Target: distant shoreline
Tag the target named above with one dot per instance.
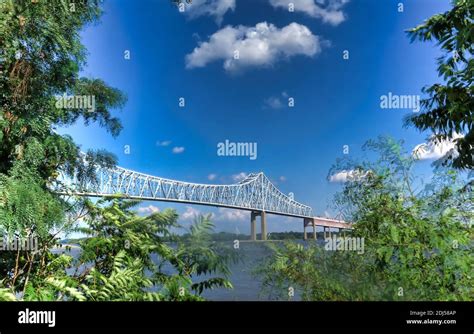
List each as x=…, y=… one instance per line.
x=63, y=246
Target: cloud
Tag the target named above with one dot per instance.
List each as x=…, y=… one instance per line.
x=212, y=177
x=433, y=150
x=178, y=150
x=163, y=143
x=282, y=178
x=348, y=175
x=190, y=214
x=339, y=177
x=239, y=177
x=148, y=209
x=259, y=46
x=329, y=11
x=275, y=102
x=231, y=215
x=214, y=8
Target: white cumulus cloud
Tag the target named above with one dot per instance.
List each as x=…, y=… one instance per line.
x=348, y=175
x=178, y=149
x=239, y=177
x=433, y=150
x=214, y=8
x=190, y=214
x=231, y=215
x=212, y=177
x=148, y=209
x=329, y=11
x=259, y=46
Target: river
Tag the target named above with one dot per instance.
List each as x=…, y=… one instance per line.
x=246, y=284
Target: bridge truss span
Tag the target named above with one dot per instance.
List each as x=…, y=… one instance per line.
x=255, y=193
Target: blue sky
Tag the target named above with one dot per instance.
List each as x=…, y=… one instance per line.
x=283, y=55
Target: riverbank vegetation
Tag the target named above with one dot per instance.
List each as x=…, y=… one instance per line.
x=418, y=238
x=418, y=235
x=41, y=58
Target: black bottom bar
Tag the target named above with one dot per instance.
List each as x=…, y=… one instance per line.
x=412, y=316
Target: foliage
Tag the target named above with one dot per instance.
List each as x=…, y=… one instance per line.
x=316, y=274
x=125, y=258
x=449, y=107
x=123, y=244
x=203, y=256
x=41, y=56
x=418, y=244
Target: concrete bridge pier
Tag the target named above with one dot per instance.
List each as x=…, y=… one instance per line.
x=309, y=221
x=263, y=220
x=328, y=235
x=305, y=236
x=253, y=222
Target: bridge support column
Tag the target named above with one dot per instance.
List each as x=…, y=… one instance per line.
x=307, y=222
x=327, y=232
x=253, y=223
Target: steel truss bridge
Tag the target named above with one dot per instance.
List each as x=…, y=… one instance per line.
x=255, y=193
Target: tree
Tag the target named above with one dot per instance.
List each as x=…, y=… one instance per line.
x=125, y=258
x=418, y=243
x=41, y=56
x=449, y=107
x=201, y=255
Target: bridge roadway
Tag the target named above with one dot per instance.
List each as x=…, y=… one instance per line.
x=255, y=193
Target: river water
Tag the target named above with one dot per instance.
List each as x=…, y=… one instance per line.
x=246, y=284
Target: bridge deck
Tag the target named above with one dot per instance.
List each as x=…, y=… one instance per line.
x=255, y=193
x=327, y=222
